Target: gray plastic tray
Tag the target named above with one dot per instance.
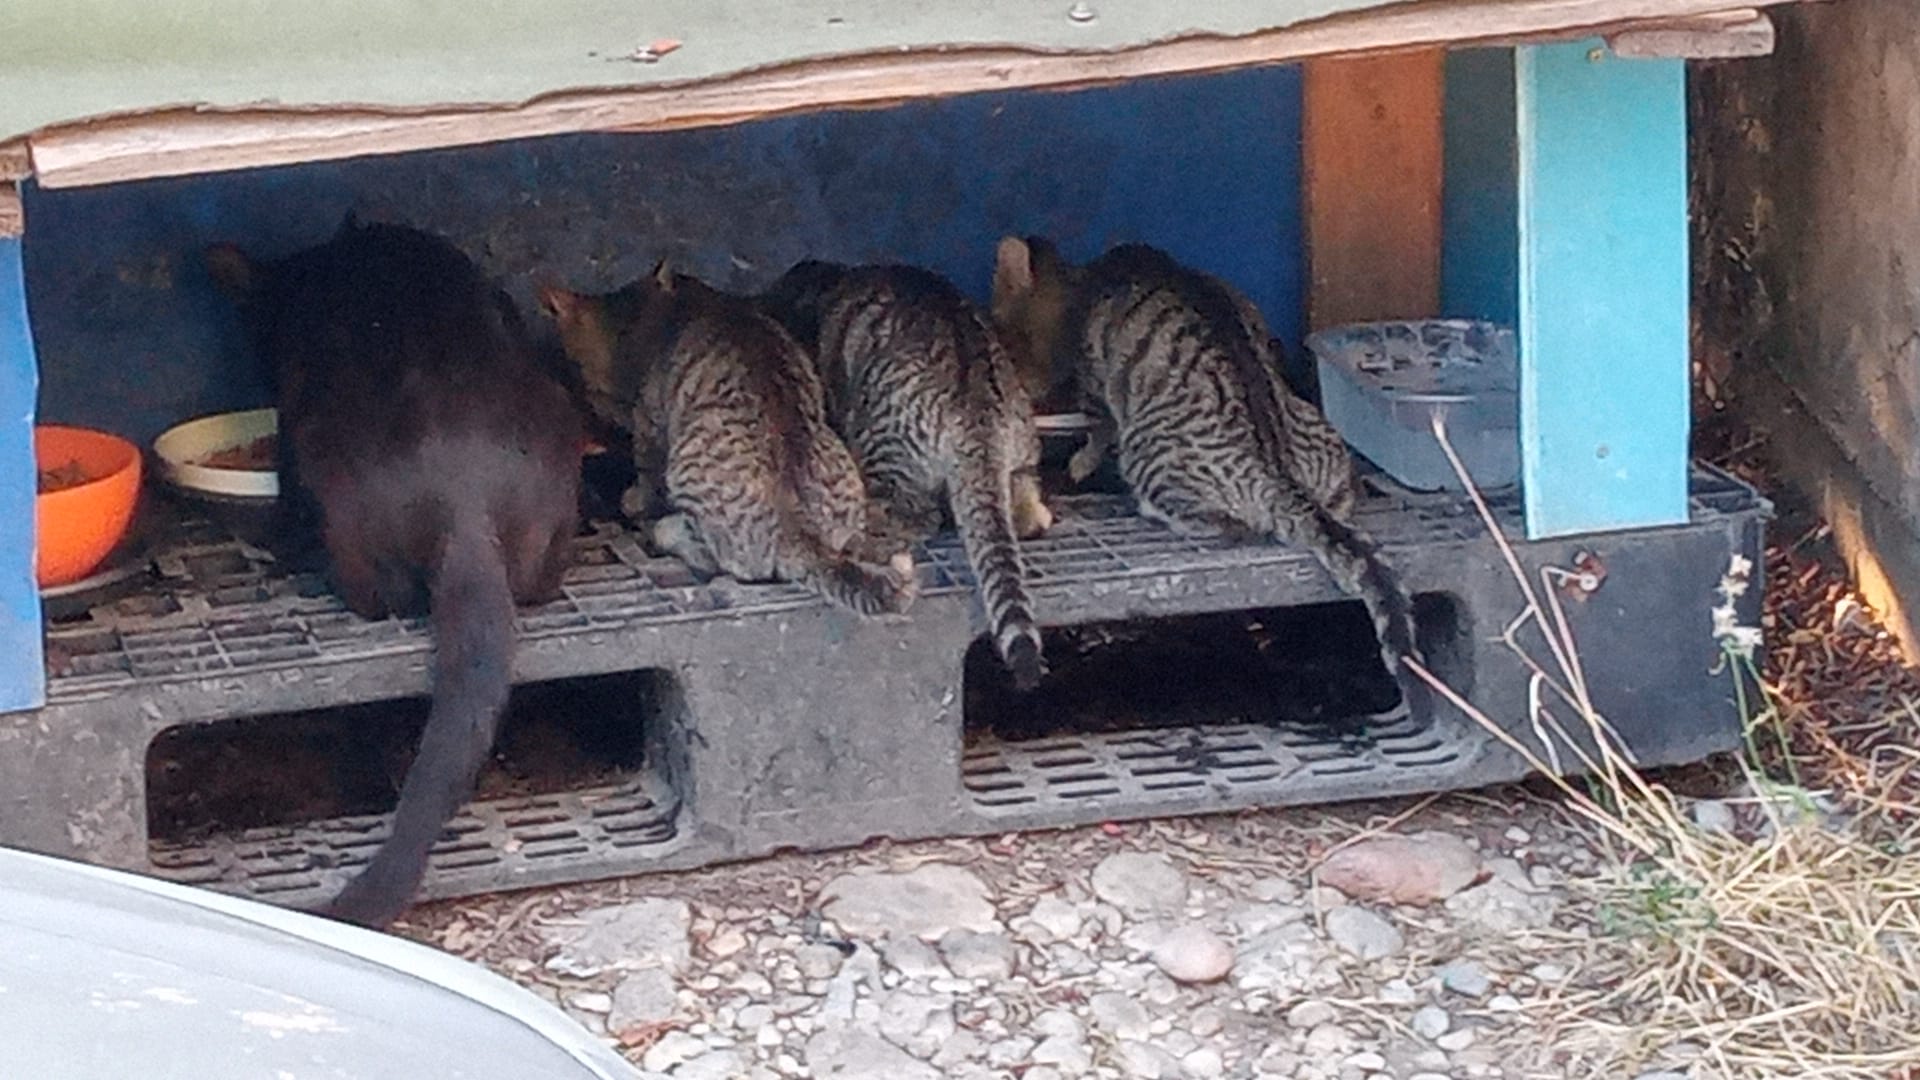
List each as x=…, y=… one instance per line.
x=1381, y=383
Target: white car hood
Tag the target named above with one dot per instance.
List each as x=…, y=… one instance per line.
x=109, y=974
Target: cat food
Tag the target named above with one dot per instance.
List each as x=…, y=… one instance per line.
x=62, y=477
x=256, y=456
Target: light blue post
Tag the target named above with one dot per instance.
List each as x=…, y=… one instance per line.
x=1566, y=217
x=1603, y=289
x=23, y=682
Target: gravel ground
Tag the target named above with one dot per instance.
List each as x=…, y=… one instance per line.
x=1199, y=948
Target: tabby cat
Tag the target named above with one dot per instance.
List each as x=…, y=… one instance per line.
x=922, y=387
x=738, y=469
x=1177, y=369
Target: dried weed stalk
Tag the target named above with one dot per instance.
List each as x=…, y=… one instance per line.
x=1793, y=954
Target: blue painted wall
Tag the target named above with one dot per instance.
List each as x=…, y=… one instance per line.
x=1480, y=211
x=21, y=685
x=132, y=336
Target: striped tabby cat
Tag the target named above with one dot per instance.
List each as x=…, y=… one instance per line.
x=922, y=387
x=1176, y=366
x=729, y=432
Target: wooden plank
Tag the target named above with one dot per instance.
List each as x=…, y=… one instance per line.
x=1604, y=412
x=183, y=141
x=15, y=161
x=13, y=218
x=1371, y=145
x=1729, y=35
x=23, y=680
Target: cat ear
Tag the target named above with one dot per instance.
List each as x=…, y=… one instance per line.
x=560, y=305
x=232, y=271
x=662, y=276
x=1012, y=267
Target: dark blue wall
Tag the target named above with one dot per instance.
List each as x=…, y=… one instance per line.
x=133, y=338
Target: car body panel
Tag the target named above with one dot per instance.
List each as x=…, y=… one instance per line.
x=104, y=973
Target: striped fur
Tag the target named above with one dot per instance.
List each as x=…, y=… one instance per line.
x=739, y=470
x=923, y=389
x=1177, y=368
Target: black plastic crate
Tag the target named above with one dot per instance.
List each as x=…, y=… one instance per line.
x=782, y=723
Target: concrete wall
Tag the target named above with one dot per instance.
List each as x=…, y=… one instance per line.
x=132, y=337
x=1807, y=172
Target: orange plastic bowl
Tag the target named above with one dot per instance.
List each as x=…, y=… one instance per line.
x=79, y=525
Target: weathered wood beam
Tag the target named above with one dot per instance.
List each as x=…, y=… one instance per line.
x=184, y=141
x=1730, y=35
x=13, y=220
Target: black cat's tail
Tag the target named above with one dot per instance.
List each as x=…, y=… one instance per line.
x=981, y=499
x=1353, y=560
x=473, y=629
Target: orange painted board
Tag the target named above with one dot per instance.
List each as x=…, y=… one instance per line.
x=1372, y=129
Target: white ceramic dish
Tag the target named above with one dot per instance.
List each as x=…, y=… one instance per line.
x=1062, y=423
x=182, y=448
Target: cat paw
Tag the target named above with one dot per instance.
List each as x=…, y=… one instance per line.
x=670, y=533
x=1031, y=519
x=901, y=563
x=905, y=579
x=634, y=504
x=678, y=536
x=1085, y=462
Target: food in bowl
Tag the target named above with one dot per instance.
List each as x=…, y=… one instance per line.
x=89, y=483
x=258, y=455
x=224, y=456
x=223, y=466
x=62, y=477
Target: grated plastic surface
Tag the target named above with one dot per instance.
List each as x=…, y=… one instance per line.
x=218, y=607
x=514, y=837
x=1231, y=761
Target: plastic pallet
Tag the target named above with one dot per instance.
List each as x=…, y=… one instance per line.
x=792, y=725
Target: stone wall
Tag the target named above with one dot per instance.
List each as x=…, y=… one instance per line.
x=1807, y=267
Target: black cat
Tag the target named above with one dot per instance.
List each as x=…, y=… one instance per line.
x=442, y=460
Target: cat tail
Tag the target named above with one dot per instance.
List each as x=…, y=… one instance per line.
x=981, y=501
x=1353, y=560
x=842, y=577
x=473, y=630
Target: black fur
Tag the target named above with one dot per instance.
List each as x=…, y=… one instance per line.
x=444, y=463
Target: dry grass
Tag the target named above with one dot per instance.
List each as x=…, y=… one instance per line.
x=1792, y=950
x=1794, y=956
